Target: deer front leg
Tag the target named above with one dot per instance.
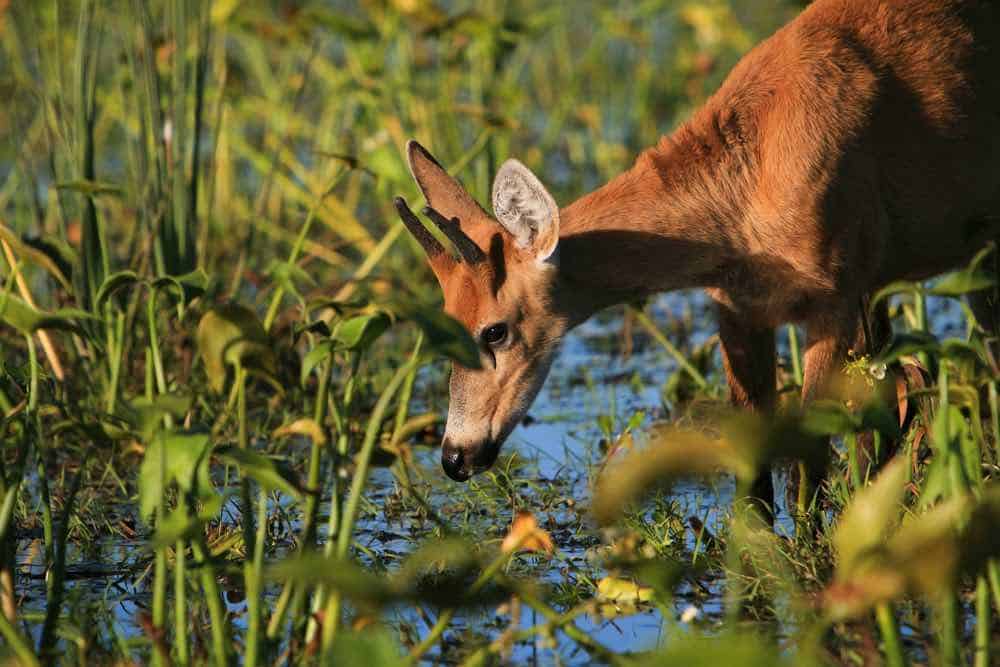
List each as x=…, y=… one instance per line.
x=829, y=337
x=748, y=359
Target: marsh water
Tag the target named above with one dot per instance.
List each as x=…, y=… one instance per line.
x=547, y=467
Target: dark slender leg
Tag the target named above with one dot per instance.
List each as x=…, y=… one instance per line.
x=748, y=358
x=829, y=337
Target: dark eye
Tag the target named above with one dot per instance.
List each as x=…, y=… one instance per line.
x=495, y=334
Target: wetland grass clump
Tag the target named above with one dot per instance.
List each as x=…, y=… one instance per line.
x=216, y=375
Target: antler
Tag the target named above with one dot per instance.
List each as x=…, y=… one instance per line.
x=441, y=262
x=467, y=248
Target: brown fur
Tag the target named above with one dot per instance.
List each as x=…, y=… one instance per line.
x=858, y=145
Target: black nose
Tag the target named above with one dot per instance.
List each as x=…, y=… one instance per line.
x=453, y=462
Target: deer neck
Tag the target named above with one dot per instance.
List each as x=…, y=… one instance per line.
x=670, y=222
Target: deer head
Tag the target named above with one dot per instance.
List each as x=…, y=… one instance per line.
x=499, y=284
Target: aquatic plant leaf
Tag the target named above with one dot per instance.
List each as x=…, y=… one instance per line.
x=759, y=441
x=969, y=279
x=908, y=343
x=25, y=251
x=114, y=283
x=443, y=334
x=947, y=474
x=893, y=288
x=288, y=276
x=963, y=350
x=261, y=469
x=926, y=555
x=615, y=589
x=386, y=163
x=367, y=647
x=231, y=334
x=178, y=524
x=313, y=358
x=526, y=535
x=825, y=417
x=342, y=576
x=875, y=415
x=359, y=332
x=960, y=283
x=865, y=522
x=926, y=549
x=26, y=319
x=979, y=543
x=745, y=650
x=439, y=555
x=146, y=415
x=173, y=457
x=671, y=453
x=186, y=287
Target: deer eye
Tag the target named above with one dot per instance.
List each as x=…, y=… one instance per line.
x=495, y=334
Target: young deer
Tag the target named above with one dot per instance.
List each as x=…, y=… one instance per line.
x=858, y=145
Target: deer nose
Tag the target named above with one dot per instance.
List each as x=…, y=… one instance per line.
x=453, y=462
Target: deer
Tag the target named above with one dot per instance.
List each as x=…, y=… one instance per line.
x=858, y=145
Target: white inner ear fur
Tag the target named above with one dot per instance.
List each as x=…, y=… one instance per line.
x=526, y=209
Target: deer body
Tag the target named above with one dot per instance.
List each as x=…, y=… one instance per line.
x=858, y=145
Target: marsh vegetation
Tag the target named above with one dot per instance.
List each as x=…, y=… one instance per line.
x=223, y=366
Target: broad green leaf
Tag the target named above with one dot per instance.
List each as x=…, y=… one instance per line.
x=313, y=358
x=359, y=332
x=231, y=334
x=261, y=469
x=867, y=519
x=26, y=319
x=147, y=414
x=173, y=457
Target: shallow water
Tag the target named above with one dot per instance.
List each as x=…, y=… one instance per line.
x=591, y=382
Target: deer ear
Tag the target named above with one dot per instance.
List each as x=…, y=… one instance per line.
x=442, y=191
x=526, y=209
